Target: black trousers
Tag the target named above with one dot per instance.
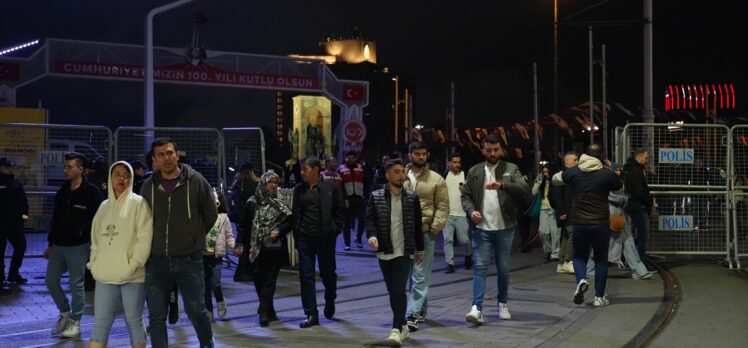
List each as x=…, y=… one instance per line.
x=395, y=273
x=265, y=277
x=12, y=233
x=323, y=250
x=354, y=214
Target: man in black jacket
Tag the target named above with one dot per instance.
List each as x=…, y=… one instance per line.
x=184, y=211
x=640, y=201
x=14, y=210
x=590, y=184
x=318, y=216
x=561, y=201
x=392, y=230
x=76, y=203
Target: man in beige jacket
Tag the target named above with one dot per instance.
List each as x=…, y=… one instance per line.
x=434, y=197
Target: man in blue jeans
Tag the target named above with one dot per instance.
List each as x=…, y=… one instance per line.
x=494, y=190
x=69, y=240
x=434, y=198
x=590, y=183
x=184, y=210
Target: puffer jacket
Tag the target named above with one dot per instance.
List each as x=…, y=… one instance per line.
x=434, y=197
x=591, y=184
x=378, y=220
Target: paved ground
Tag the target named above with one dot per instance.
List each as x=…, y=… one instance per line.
x=543, y=314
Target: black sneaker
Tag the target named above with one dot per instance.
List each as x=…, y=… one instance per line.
x=412, y=323
x=4, y=289
x=358, y=244
x=450, y=269
x=16, y=278
x=347, y=247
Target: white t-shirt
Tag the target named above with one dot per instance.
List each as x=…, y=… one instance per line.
x=397, y=232
x=492, y=218
x=453, y=187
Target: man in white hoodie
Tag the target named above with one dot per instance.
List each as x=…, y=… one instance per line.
x=121, y=236
x=590, y=184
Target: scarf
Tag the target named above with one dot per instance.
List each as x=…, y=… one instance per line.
x=270, y=211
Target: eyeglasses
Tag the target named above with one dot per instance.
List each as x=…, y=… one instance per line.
x=121, y=176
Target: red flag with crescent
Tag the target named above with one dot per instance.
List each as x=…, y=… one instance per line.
x=353, y=92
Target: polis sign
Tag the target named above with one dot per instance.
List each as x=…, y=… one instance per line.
x=676, y=223
x=676, y=156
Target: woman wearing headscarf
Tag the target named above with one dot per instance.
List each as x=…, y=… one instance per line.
x=121, y=236
x=267, y=219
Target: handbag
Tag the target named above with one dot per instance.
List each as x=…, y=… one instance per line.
x=270, y=244
x=534, y=209
x=617, y=223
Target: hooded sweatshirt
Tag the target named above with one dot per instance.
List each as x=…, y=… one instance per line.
x=121, y=235
x=591, y=184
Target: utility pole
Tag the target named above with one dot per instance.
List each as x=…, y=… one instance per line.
x=605, y=108
x=535, y=114
x=592, y=110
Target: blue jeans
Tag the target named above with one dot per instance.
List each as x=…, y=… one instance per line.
x=596, y=237
x=72, y=259
x=483, y=241
x=106, y=300
x=456, y=225
x=311, y=248
x=640, y=231
x=212, y=271
x=420, y=278
x=187, y=272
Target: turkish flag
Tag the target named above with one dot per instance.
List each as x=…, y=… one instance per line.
x=9, y=72
x=353, y=92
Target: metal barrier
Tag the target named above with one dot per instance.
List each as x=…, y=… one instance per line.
x=201, y=148
x=739, y=175
x=243, y=145
x=687, y=176
x=39, y=153
x=293, y=255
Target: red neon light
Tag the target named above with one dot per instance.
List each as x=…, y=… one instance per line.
x=721, y=97
x=696, y=93
x=727, y=97
x=701, y=89
x=732, y=90
x=690, y=97
x=672, y=98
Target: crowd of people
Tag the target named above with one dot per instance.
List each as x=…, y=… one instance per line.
x=144, y=235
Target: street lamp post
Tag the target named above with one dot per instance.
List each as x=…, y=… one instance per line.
x=148, y=115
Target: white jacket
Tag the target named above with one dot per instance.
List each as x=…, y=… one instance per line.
x=121, y=236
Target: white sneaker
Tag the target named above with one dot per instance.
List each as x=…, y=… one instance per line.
x=601, y=301
x=475, y=316
x=560, y=268
x=394, y=338
x=404, y=333
x=222, y=309
x=504, y=311
x=62, y=323
x=73, y=330
x=579, y=293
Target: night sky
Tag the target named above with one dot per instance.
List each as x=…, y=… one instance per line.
x=486, y=47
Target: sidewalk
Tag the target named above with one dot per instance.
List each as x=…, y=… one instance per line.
x=540, y=302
